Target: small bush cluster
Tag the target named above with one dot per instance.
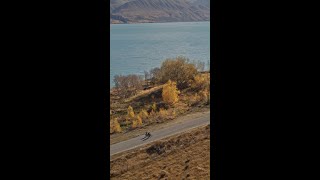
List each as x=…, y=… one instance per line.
x=143, y=114
x=130, y=112
x=178, y=69
x=200, y=82
x=163, y=113
x=170, y=93
x=128, y=85
x=115, y=126
x=205, y=96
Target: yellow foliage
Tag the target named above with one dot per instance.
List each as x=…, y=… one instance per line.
x=154, y=107
x=116, y=126
x=139, y=120
x=130, y=112
x=194, y=99
x=143, y=114
x=204, y=95
x=111, y=128
x=134, y=124
x=127, y=121
x=173, y=113
x=163, y=113
x=170, y=93
x=201, y=81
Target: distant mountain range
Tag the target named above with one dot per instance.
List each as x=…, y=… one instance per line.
x=148, y=11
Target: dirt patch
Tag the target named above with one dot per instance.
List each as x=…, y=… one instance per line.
x=183, y=156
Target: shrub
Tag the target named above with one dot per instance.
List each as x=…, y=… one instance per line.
x=163, y=113
x=111, y=128
x=173, y=113
x=127, y=122
x=139, y=120
x=204, y=95
x=194, y=99
x=152, y=113
x=128, y=85
x=200, y=82
x=154, y=107
x=178, y=70
x=134, y=124
x=170, y=93
x=116, y=126
x=130, y=112
x=155, y=75
x=143, y=114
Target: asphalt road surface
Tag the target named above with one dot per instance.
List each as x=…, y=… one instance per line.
x=160, y=134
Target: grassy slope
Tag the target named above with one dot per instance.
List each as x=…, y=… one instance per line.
x=144, y=100
x=181, y=156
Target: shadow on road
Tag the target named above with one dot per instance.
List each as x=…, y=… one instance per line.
x=145, y=138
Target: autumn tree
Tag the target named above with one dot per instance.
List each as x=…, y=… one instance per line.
x=201, y=82
x=154, y=107
x=143, y=114
x=170, y=93
x=134, y=124
x=130, y=115
x=155, y=75
x=178, y=70
x=128, y=85
x=205, y=96
x=139, y=120
x=130, y=112
x=163, y=113
x=116, y=126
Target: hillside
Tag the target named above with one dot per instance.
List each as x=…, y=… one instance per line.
x=141, y=11
x=136, y=103
x=183, y=156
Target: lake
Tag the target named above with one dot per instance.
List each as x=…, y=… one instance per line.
x=138, y=47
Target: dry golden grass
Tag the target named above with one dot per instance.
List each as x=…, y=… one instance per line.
x=183, y=156
x=143, y=93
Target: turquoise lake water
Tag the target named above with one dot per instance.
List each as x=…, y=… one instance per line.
x=138, y=47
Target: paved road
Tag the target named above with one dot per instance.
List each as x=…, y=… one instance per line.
x=160, y=134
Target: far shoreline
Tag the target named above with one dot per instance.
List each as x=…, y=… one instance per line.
x=159, y=22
